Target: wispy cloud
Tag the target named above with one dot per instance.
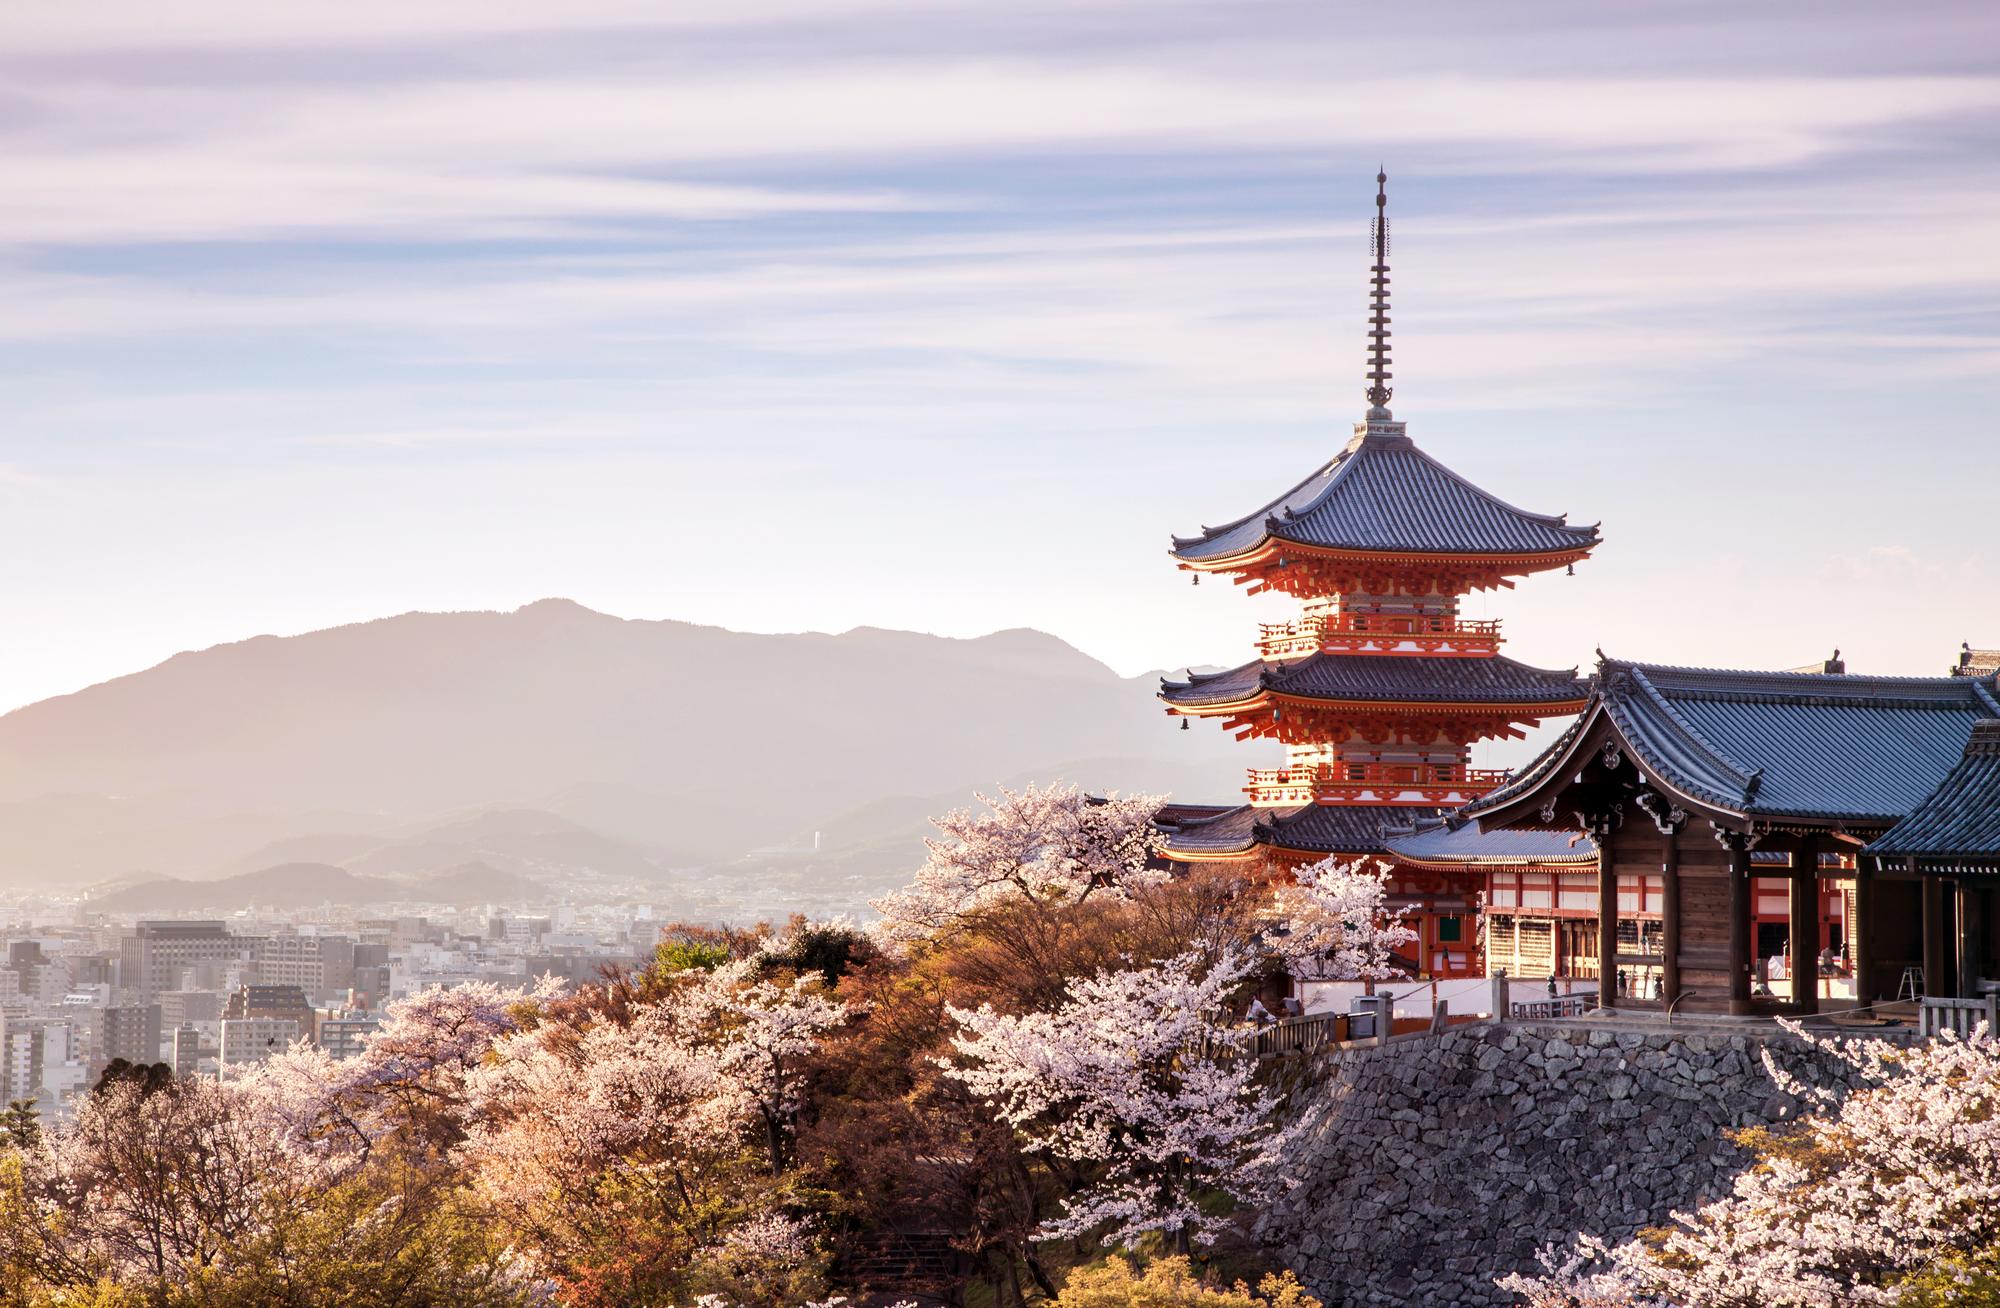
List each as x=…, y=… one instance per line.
x=888, y=272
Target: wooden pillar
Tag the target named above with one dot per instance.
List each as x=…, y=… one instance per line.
x=1670, y=917
x=1860, y=947
x=1739, y=922
x=1607, y=919
x=1804, y=904
x=1938, y=979
x=1979, y=933
x=1966, y=925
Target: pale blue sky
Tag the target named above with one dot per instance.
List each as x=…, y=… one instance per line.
x=816, y=313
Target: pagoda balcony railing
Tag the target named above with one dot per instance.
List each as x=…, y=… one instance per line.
x=1371, y=783
x=1381, y=633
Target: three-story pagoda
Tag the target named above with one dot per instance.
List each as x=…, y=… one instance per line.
x=1380, y=687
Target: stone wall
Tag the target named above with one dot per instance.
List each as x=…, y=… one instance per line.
x=1447, y=1160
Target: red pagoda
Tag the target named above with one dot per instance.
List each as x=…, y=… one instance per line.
x=1380, y=687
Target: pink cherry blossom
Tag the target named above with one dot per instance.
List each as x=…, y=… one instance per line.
x=1902, y=1178
x=1054, y=844
x=1137, y=1074
x=1336, y=922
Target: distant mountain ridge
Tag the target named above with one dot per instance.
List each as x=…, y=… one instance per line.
x=642, y=745
x=310, y=885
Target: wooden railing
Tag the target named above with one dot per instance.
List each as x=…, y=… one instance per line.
x=1962, y=1017
x=1334, y=783
x=1428, y=632
x=1562, y=1006
x=1301, y=1035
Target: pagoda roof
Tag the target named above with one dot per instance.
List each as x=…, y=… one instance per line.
x=1362, y=678
x=1436, y=841
x=1383, y=495
x=1768, y=745
x=1959, y=823
x=1307, y=828
x=1976, y=662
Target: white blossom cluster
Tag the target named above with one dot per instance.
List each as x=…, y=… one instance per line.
x=1337, y=925
x=1053, y=844
x=1133, y=1073
x=1902, y=1179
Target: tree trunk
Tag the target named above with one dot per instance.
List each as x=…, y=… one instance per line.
x=1014, y=1295
x=1035, y=1269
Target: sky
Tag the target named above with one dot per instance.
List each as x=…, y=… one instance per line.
x=808, y=314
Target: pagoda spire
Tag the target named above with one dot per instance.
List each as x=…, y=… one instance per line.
x=1378, y=298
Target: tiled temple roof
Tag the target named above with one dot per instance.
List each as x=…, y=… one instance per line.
x=1959, y=823
x=1439, y=842
x=1382, y=494
x=1349, y=678
x=1774, y=744
x=1308, y=828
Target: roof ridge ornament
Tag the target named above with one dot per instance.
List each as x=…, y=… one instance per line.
x=1378, y=308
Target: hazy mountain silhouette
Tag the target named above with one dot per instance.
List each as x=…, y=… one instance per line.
x=309, y=885
x=626, y=746
x=287, y=885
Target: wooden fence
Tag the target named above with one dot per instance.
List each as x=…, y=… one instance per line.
x=1959, y=1016
x=1301, y=1035
x=1575, y=1005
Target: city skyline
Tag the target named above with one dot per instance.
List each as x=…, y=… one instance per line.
x=817, y=316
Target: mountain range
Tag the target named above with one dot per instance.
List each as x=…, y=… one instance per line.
x=562, y=745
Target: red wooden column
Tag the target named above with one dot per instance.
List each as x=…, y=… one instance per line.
x=1860, y=947
x=1804, y=888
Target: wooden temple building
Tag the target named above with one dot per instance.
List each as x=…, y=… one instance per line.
x=1950, y=846
x=1381, y=686
x=1712, y=799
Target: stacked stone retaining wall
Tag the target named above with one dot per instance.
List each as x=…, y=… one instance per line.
x=1445, y=1161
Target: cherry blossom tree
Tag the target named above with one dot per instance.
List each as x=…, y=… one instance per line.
x=152, y=1183
x=1055, y=844
x=619, y=1146
x=410, y=1074
x=761, y=1030
x=1134, y=1076
x=1893, y=1197
x=1337, y=925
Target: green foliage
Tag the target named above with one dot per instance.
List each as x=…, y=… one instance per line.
x=1172, y=1283
x=828, y=948
x=689, y=956
x=1955, y=1282
x=21, y=1124
x=390, y=1238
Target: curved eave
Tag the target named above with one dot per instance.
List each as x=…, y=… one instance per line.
x=1315, y=855
x=1265, y=699
x=1546, y=779
x=1483, y=864
x=1520, y=803
x=1273, y=546
x=1242, y=855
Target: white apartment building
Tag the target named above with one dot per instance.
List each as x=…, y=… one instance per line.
x=247, y=1040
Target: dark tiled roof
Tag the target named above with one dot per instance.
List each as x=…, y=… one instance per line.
x=1338, y=828
x=1308, y=828
x=1172, y=815
x=1960, y=821
x=1362, y=677
x=1383, y=494
x=1225, y=832
x=1777, y=744
x=1438, y=842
